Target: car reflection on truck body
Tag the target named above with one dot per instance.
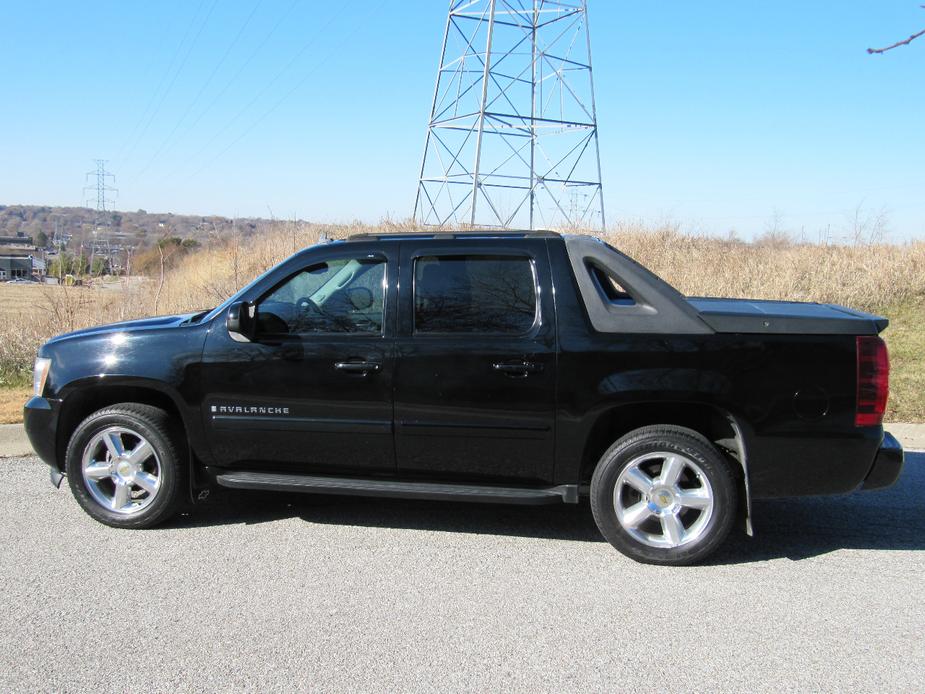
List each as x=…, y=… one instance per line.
x=508, y=367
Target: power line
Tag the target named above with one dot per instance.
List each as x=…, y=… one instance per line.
x=291, y=91
x=176, y=74
x=140, y=85
x=266, y=88
x=154, y=94
x=202, y=89
x=244, y=65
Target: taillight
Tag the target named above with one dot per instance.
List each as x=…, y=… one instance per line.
x=873, y=381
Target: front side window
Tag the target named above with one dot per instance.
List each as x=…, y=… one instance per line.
x=474, y=294
x=345, y=295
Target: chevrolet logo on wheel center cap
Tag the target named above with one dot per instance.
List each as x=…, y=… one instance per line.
x=663, y=498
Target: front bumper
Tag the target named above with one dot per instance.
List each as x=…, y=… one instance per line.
x=887, y=465
x=40, y=418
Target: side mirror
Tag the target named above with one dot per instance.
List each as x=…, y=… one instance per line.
x=240, y=321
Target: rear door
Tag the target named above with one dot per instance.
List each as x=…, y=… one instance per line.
x=476, y=361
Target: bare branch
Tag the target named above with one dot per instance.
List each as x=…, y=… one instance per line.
x=905, y=42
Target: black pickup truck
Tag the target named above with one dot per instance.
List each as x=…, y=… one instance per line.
x=522, y=368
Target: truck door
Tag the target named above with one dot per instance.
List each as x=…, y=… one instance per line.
x=476, y=369
x=313, y=391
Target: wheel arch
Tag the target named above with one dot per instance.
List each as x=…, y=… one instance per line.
x=721, y=427
x=85, y=399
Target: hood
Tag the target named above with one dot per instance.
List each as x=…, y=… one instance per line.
x=126, y=326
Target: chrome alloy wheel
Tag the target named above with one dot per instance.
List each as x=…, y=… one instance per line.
x=121, y=470
x=663, y=500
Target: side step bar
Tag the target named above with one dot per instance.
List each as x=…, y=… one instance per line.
x=563, y=493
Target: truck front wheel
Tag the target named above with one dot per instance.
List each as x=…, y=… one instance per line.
x=124, y=466
x=664, y=495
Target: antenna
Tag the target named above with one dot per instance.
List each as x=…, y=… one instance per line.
x=512, y=139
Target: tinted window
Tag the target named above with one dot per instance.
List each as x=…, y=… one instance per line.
x=338, y=296
x=474, y=294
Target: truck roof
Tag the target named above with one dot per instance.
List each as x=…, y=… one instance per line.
x=472, y=234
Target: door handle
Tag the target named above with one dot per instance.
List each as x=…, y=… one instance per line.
x=357, y=367
x=520, y=369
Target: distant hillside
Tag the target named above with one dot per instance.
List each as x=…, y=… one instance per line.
x=126, y=230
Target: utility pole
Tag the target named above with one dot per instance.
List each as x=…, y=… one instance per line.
x=512, y=139
x=101, y=189
x=56, y=243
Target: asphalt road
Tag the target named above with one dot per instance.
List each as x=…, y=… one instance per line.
x=279, y=593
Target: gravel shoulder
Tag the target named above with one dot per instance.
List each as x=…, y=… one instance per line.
x=286, y=593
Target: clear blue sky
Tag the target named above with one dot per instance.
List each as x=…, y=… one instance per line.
x=718, y=115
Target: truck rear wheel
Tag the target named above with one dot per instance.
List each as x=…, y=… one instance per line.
x=124, y=466
x=664, y=495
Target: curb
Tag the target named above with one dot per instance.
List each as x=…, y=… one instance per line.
x=13, y=441
x=911, y=436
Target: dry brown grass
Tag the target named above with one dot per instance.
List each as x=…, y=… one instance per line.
x=11, y=402
x=868, y=277
x=889, y=279
x=905, y=339
x=32, y=314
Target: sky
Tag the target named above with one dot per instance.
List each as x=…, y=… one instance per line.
x=718, y=116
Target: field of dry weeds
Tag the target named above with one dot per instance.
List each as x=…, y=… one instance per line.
x=887, y=279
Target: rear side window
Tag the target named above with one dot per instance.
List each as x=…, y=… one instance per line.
x=610, y=287
x=474, y=294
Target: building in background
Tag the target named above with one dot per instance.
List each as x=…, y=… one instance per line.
x=19, y=259
x=13, y=267
x=19, y=240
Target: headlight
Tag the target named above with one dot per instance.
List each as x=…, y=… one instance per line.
x=39, y=374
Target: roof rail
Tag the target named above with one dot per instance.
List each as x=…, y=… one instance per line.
x=474, y=233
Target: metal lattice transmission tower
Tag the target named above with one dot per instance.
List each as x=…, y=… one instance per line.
x=512, y=139
x=101, y=189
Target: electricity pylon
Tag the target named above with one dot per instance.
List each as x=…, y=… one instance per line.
x=101, y=189
x=512, y=139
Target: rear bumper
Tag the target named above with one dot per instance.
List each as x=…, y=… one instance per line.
x=887, y=464
x=40, y=418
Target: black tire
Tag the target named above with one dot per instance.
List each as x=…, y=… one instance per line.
x=645, y=444
x=155, y=426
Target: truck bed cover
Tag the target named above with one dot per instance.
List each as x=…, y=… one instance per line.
x=762, y=316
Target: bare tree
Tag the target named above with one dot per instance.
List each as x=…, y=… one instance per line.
x=904, y=42
x=166, y=247
x=867, y=227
